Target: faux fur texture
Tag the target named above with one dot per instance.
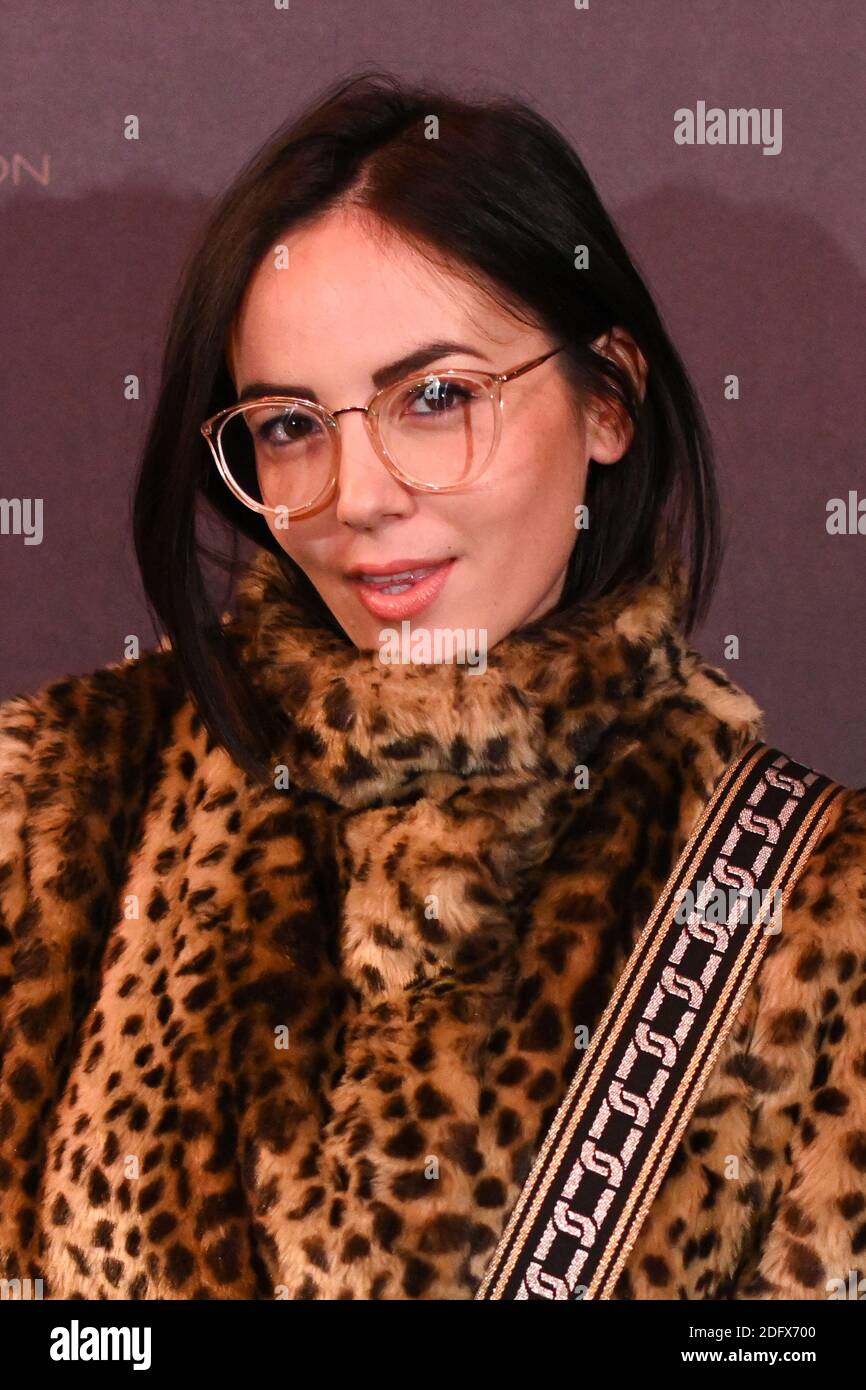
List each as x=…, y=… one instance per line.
x=303, y=1040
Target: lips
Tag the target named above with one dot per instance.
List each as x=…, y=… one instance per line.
x=402, y=588
x=396, y=566
x=397, y=582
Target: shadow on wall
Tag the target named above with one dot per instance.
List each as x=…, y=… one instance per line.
x=754, y=290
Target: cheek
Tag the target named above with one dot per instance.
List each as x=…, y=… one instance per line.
x=305, y=542
x=538, y=480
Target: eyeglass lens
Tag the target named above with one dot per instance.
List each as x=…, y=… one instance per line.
x=438, y=430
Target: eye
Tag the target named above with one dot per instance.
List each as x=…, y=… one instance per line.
x=283, y=427
x=436, y=396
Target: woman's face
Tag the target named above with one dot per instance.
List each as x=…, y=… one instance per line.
x=350, y=304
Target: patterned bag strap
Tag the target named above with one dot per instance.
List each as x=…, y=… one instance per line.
x=615, y=1132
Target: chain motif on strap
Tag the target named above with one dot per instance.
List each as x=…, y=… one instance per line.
x=612, y=1139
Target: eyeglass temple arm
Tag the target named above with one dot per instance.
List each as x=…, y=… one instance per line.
x=527, y=366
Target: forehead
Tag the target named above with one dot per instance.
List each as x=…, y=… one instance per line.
x=345, y=287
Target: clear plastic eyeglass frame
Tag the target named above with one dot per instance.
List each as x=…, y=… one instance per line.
x=212, y=429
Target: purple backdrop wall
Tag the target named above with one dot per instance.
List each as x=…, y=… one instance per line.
x=755, y=260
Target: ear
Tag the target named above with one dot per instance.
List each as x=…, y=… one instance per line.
x=608, y=431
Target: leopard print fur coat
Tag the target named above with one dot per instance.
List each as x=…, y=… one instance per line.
x=303, y=1039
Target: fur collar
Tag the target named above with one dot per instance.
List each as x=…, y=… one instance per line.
x=470, y=777
x=365, y=732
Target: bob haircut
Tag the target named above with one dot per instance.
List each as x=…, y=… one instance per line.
x=499, y=198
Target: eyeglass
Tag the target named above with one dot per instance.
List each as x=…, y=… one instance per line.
x=435, y=433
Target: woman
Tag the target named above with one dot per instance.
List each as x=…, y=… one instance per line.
x=307, y=915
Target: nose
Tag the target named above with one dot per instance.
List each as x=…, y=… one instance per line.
x=366, y=490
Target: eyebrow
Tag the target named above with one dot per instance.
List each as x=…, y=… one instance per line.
x=383, y=376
